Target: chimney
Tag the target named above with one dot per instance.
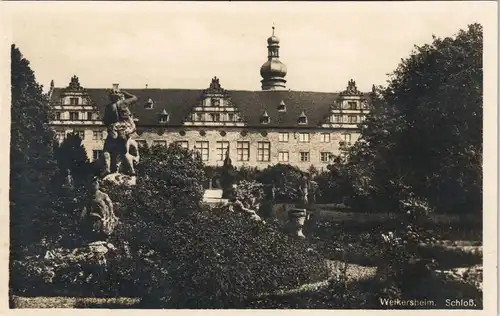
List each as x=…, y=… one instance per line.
x=115, y=86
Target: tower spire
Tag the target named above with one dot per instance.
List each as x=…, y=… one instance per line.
x=273, y=71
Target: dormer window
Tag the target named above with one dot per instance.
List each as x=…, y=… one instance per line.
x=282, y=106
x=164, y=117
x=149, y=105
x=264, y=119
x=302, y=118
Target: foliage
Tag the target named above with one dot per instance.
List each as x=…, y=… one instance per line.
x=202, y=258
x=248, y=190
x=71, y=155
x=32, y=162
x=286, y=179
x=196, y=262
x=424, y=132
x=168, y=178
x=247, y=173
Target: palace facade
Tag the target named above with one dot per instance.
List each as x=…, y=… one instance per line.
x=257, y=128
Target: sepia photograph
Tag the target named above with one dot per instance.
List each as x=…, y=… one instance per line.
x=253, y=155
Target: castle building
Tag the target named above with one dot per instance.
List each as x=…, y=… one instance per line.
x=256, y=128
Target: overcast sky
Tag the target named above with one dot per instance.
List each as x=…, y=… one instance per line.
x=183, y=45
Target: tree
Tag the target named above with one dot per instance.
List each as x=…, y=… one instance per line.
x=286, y=180
x=32, y=162
x=71, y=155
x=424, y=134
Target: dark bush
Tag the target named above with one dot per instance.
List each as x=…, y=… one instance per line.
x=195, y=257
x=212, y=259
x=286, y=180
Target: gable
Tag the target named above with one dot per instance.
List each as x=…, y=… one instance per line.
x=214, y=108
x=191, y=107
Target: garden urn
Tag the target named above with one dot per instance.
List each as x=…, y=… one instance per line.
x=297, y=217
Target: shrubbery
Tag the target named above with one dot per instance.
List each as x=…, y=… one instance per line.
x=198, y=263
x=285, y=178
x=202, y=258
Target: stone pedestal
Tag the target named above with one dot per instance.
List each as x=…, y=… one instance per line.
x=297, y=218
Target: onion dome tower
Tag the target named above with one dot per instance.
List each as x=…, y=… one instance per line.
x=273, y=71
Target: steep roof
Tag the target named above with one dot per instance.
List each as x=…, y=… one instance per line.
x=178, y=103
x=253, y=104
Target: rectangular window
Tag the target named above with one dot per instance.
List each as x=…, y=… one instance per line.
x=243, y=150
x=74, y=116
x=283, y=156
x=347, y=138
x=164, y=118
x=89, y=116
x=80, y=133
x=337, y=118
x=58, y=116
x=96, y=154
x=353, y=119
x=183, y=143
x=230, y=117
x=352, y=105
x=159, y=143
x=263, y=151
x=325, y=157
x=303, y=137
x=304, y=156
x=283, y=137
x=73, y=101
x=215, y=102
x=222, y=148
x=202, y=149
x=97, y=135
x=325, y=137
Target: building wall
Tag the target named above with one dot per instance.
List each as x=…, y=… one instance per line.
x=293, y=146
x=316, y=145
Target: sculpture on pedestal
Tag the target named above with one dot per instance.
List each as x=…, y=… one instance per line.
x=297, y=216
x=120, y=151
x=99, y=212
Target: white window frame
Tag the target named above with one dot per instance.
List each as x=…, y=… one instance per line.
x=283, y=137
x=263, y=151
x=328, y=157
x=222, y=148
x=304, y=137
x=72, y=115
x=243, y=150
x=304, y=156
x=183, y=143
x=203, y=148
x=325, y=137
x=283, y=156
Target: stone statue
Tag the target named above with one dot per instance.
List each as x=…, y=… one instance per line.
x=68, y=179
x=244, y=205
x=131, y=158
x=99, y=211
x=120, y=126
